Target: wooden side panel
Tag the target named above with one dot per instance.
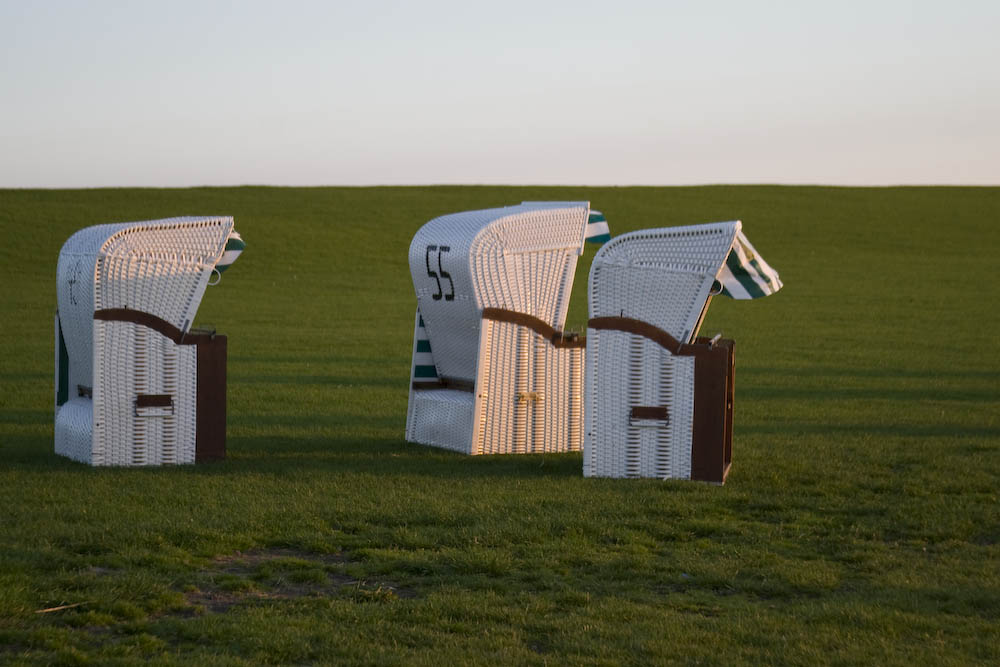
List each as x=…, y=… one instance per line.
x=712, y=437
x=210, y=439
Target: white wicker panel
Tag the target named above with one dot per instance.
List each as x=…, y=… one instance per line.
x=625, y=370
x=75, y=301
x=114, y=392
x=606, y=410
x=186, y=404
x=542, y=435
x=161, y=267
x=537, y=283
x=529, y=393
x=676, y=390
x=130, y=360
x=561, y=388
x=660, y=276
x=576, y=399
x=443, y=418
x=147, y=368
x=74, y=430
x=452, y=324
x=502, y=375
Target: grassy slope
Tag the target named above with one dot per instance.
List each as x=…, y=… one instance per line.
x=860, y=522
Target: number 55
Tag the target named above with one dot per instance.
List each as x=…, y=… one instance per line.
x=443, y=274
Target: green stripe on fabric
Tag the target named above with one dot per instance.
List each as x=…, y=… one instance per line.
x=764, y=275
x=741, y=274
x=423, y=346
x=598, y=230
x=235, y=244
x=421, y=321
x=422, y=371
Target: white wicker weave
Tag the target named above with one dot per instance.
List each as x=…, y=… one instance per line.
x=158, y=268
x=661, y=277
x=529, y=396
x=498, y=387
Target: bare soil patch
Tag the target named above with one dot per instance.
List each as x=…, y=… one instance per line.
x=284, y=574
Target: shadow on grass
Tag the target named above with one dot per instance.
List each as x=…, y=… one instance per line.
x=926, y=392
x=933, y=375
x=285, y=455
x=390, y=457
x=359, y=380
x=888, y=430
x=298, y=359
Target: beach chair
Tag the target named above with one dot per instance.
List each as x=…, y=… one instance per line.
x=492, y=372
x=658, y=399
x=134, y=384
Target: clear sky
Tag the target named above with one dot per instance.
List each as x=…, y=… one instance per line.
x=855, y=92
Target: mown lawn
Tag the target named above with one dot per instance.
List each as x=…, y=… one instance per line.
x=859, y=525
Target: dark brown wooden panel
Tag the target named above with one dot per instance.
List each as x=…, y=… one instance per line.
x=210, y=439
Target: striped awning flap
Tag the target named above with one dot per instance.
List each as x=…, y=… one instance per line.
x=746, y=275
x=234, y=246
x=597, y=228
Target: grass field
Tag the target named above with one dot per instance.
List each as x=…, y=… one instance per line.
x=860, y=523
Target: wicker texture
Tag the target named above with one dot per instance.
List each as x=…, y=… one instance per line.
x=660, y=276
x=442, y=418
x=158, y=267
x=625, y=370
x=663, y=277
x=519, y=258
x=530, y=393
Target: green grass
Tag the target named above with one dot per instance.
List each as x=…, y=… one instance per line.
x=859, y=525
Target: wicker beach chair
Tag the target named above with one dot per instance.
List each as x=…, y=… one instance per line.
x=659, y=400
x=492, y=373
x=134, y=384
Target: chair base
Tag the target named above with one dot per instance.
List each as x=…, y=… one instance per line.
x=674, y=417
x=75, y=436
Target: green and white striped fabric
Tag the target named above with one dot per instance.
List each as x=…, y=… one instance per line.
x=234, y=246
x=597, y=228
x=746, y=275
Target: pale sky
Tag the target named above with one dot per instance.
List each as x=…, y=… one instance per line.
x=179, y=93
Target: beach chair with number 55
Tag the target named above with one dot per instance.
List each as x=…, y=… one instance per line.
x=492, y=371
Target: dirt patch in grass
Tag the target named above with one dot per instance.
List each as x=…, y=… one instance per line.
x=283, y=574
x=242, y=560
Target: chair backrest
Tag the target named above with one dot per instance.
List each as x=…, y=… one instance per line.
x=159, y=267
x=520, y=258
x=660, y=276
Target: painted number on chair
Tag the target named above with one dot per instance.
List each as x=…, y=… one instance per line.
x=440, y=273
